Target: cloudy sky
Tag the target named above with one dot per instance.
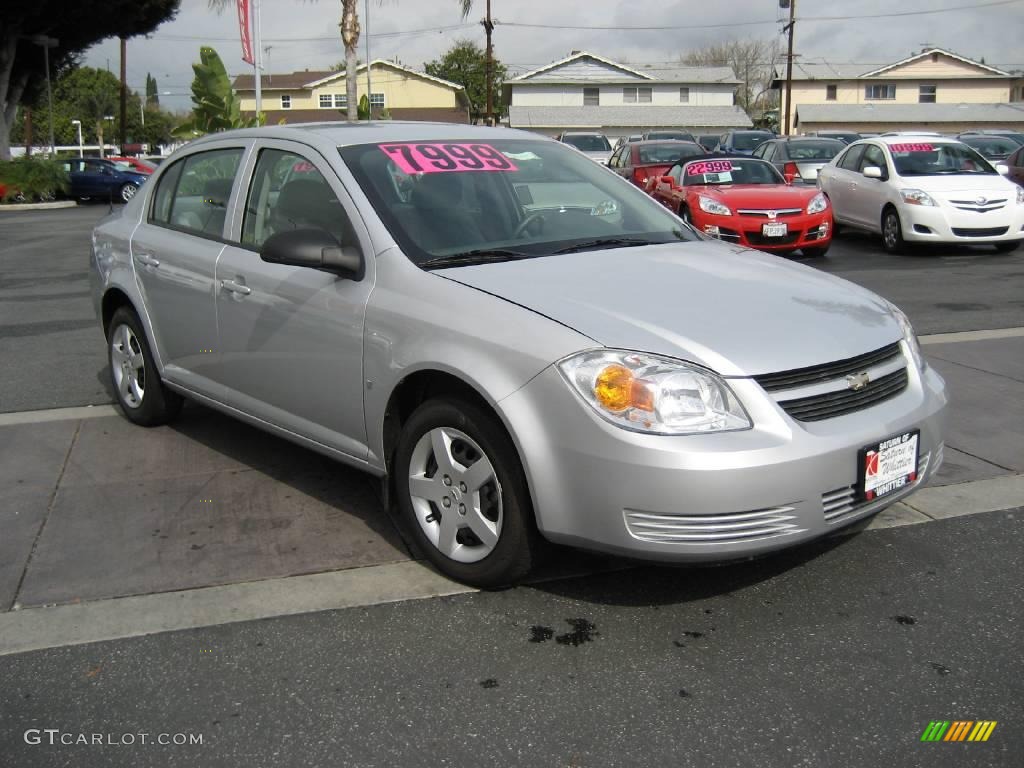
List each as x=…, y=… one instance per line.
x=304, y=35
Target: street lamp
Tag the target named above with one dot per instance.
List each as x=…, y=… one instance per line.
x=78, y=125
x=47, y=43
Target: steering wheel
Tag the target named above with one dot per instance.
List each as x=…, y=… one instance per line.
x=525, y=223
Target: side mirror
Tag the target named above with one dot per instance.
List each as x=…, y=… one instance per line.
x=872, y=172
x=315, y=249
x=1002, y=169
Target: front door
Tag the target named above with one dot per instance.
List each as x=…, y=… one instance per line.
x=291, y=338
x=866, y=205
x=175, y=251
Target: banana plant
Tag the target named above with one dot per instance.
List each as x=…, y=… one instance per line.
x=215, y=106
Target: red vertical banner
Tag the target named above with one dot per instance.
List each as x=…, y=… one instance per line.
x=243, y=30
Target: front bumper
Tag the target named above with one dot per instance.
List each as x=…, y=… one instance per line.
x=804, y=230
x=721, y=496
x=946, y=224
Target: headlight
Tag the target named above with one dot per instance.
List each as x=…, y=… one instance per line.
x=910, y=337
x=647, y=393
x=713, y=206
x=916, y=197
x=1020, y=195
x=818, y=203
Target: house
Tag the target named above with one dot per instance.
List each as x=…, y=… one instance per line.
x=586, y=91
x=934, y=90
x=313, y=96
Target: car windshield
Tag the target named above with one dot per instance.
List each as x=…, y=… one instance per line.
x=992, y=146
x=924, y=158
x=847, y=138
x=503, y=199
x=748, y=139
x=823, y=149
x=701, y=172
x=661, y=135
x=588, y=142
x=668, y=153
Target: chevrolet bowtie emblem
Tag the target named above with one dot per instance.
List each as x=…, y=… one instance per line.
x=857, y=381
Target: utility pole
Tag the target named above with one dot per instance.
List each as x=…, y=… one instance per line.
x=366, y=34
x=257, y=61
x=789, y=65
x=122, y=135
x=489, y=65
x=47, y=43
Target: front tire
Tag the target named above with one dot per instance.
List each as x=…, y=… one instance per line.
x=140, y=391
x=892, y=232
x=1007, y=247
x=127, y=192
x=462, y=493
x=816, y=253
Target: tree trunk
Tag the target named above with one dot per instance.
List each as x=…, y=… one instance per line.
x=8, y=100
x=350, y=37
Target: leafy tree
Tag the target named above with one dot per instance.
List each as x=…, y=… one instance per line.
x=215, y=106
x=76, y=26
x=751, y=61
x=465, y=63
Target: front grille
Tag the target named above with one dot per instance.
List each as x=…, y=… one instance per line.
x=764, y=212
x=756, y=238
x=980, y=231
x=733, y=528
x=801, y=377
x=976, y=207
x=839, y=403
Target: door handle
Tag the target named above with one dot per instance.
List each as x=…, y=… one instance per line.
x=233, y=287
x=146, y=259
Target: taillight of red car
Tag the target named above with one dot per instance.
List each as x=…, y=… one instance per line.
x=645, y=173
x=791, y=172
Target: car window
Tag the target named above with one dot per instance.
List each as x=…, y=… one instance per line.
x=766, y=152
x=662, y=135
x=587, y=142
x=534, y=197
x=851, y=158
x=705, y=172
x=199, y=202
x=924, y=158
x=874, y=156
x=748, y=139
x=825, y=149
x=662, y=154
x=164, y=195
x=288, y=192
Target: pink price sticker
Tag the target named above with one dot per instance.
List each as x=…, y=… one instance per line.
x=911, y=147
x=445, y=158
x=708, y=166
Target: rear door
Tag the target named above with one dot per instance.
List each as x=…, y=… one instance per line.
x=840, y=182
x=175, y=250
x=291, y=338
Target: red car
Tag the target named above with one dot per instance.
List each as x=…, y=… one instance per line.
x=746, y=201
x=643, y=160
x=133, y=164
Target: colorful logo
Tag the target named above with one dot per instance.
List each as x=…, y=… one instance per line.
x=958, y=730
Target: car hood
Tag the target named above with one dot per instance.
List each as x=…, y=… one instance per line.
x=736, y=311
x=600, y=156
x=758, y=195
x=965, y=183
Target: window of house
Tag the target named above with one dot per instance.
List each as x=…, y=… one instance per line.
x=830, y=93
x=637, y=95
x=376, y=99
x=591, y=97
x=926, y=94
x=325, y=101
x=684, y=95
x=340, y=100
x=1017, y=93
x=879, y=91
x=286, y=101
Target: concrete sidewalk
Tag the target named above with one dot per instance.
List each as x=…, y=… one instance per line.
x=93, y=507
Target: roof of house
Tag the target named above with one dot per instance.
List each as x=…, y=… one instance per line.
x=416, y=114
x=669, y=72
x=910, y=113
x=824, y=70
x=627, y=117
x=314, y=78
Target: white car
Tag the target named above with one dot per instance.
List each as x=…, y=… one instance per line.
x=594, y=145
x=923, y=189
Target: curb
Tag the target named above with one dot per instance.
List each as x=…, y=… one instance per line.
x=39, y=206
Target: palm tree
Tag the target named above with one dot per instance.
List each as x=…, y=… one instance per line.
x=350, y=29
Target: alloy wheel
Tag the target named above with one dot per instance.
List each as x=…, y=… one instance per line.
x=891, y=231
x=128, y=365
x=455, y=495
x=128, y=192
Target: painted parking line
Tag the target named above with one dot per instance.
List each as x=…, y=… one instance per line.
x=33, y=629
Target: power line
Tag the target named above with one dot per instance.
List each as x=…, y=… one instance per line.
x=664, y=28
x=401, y=33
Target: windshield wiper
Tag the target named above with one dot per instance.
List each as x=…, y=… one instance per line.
x=610, y=242
x=479, y=256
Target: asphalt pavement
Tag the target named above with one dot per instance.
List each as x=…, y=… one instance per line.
x=839, y=653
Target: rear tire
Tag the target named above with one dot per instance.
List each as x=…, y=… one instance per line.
x=140, y=391
x=462, y=494
x=1007, y=247
x=892, y=232
x=127, y=192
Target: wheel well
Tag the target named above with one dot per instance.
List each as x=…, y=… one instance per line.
x=113, y=300
x=416, y=389
x=885, y=209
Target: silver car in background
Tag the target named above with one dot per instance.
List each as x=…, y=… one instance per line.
x=595, y=374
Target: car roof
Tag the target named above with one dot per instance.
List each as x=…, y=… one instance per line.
x=902, y=138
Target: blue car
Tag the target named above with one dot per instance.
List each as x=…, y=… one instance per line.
x=741, y=142
x=92, y=177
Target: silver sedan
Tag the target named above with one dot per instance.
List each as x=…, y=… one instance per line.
x=416, y=300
